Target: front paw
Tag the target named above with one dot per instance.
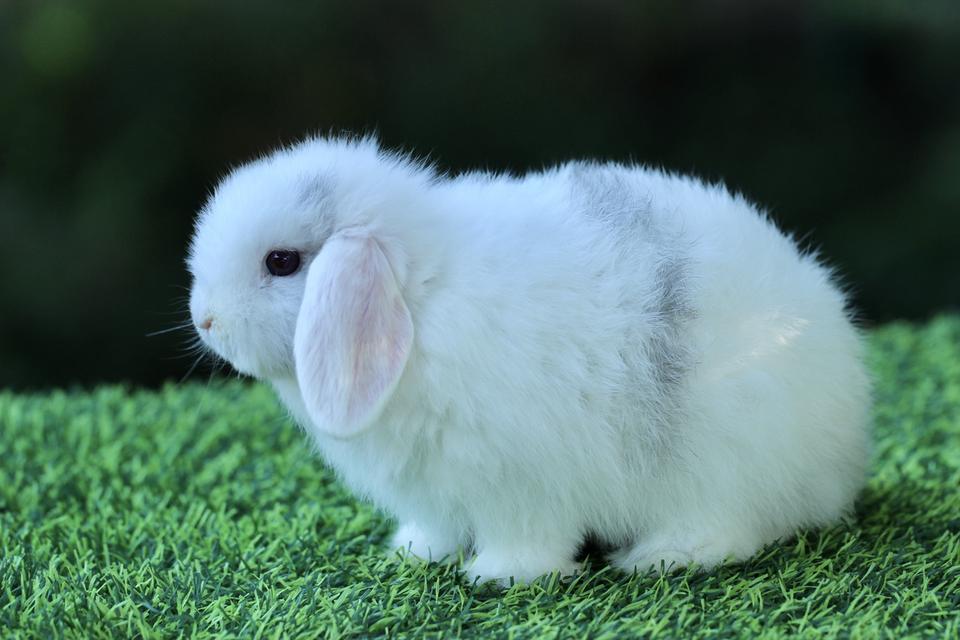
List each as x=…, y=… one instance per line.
x=416, y=543
x=518, y=566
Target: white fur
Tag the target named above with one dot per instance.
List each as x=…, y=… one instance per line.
x=597, y=349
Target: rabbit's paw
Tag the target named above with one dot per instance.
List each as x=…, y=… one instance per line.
x=670, y=553
x=519, y=566
x=416, y=542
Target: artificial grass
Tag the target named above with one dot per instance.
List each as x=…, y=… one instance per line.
x=199, y=511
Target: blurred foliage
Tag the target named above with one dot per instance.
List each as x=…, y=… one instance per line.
x=117, y=118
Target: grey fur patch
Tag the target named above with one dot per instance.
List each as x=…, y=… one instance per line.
x=608, y=194
x=667, y=347
x=315, y=194
x=314, y=190
x=604, y=193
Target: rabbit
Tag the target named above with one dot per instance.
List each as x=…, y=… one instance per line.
x=512, y=364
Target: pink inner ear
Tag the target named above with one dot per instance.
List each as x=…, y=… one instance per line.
x=381, y=341
x=354, y=335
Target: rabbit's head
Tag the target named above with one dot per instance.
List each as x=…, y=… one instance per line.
x=297, y=272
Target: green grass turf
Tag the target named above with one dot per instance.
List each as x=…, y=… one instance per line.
x=199, y=511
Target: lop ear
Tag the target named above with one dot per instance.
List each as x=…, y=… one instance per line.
x=353, y=337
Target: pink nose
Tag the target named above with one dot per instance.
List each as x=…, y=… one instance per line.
x=206, y=324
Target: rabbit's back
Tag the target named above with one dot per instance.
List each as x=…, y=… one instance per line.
x=772, y=395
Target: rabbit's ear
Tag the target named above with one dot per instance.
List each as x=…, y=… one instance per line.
x=353, y=337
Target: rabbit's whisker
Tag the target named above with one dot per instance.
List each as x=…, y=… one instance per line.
x=192, y=368
x=178, y=327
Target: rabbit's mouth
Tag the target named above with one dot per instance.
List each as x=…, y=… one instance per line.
x=245, y=361
x=220, y=347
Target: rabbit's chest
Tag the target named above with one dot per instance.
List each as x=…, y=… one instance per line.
x=392, y=463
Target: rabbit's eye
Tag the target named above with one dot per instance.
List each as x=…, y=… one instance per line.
x=283, y=263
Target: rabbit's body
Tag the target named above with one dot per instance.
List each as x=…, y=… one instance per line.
x=598, y=350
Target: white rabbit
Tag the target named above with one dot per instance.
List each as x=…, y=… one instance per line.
x=511, y=364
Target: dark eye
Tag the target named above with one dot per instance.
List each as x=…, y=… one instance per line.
x=283, y=263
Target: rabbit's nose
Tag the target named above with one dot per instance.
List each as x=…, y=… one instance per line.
x=206, y=324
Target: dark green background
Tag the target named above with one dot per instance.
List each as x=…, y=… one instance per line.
x=116, y=118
